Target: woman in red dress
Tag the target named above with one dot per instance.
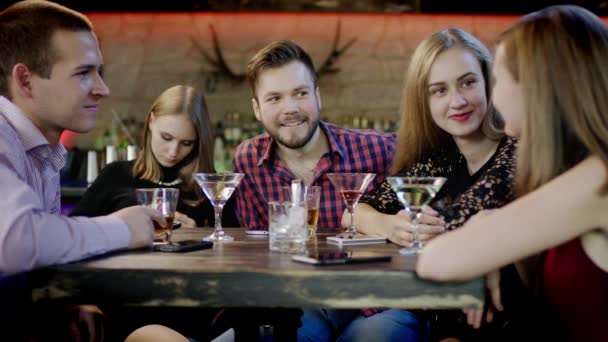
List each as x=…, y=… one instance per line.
x=552, y=90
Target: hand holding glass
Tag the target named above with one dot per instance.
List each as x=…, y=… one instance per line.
x=165, y=201
x=218, y=187
x=414, y=193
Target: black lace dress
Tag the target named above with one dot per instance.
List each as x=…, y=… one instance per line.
x=115, y=186
x=463, y=194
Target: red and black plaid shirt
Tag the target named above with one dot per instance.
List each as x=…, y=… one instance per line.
x=265, y=173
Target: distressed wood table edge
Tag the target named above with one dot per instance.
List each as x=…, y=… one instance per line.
x=271, y=281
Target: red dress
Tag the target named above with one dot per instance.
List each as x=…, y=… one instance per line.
x=575, y=290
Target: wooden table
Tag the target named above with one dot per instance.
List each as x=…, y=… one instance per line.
x=245, y=273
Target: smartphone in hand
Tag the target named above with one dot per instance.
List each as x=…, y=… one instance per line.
x=184, y=246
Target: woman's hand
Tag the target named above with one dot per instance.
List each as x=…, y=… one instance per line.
x=86, y=323
x=398, y=228
x=430, y=224
x=184, y=220
x=401, y=229
x=475, y=316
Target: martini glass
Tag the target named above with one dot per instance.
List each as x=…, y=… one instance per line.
x=218, y=187
x=351, y=187
x=414, y=193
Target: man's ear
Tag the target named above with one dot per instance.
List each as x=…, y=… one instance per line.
x=256, y=109
x=21, y=80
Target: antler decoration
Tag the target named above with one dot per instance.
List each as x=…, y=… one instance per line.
x=219, y=63
x=223, y=70
x=328, y=66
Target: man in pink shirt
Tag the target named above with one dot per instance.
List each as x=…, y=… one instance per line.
x=50, y=80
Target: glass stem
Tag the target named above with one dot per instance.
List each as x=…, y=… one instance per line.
x=351, y=227
x=416, y=243
x=219, y=231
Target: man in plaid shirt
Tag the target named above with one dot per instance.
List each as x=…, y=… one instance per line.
x=297, y=145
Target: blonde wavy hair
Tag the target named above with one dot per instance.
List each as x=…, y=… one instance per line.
x=560, y=57
x=179, y=100
x=418, y=134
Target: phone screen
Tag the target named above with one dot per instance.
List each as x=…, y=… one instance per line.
x=184, y=246
x=341, y=257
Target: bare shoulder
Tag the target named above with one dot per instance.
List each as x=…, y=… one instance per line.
x=595, y=244
x=595, y=173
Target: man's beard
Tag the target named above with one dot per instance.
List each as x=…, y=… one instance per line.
x=302, y=142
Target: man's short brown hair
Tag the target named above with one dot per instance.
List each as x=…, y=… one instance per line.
x=26, y=32
x=276, y=55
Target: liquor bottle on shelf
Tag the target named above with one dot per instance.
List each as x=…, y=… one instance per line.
x=364, y=122
x=219, y=149
x=237, y=132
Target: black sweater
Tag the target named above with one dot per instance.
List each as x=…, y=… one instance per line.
x=115, y=186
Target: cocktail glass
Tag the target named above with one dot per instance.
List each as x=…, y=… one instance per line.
x=414, y=193
x=351, y=186
x=218, y=187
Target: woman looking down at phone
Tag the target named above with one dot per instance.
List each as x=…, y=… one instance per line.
x=177, y=141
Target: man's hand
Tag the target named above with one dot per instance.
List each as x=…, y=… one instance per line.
x=140, y=222
x=186, y=221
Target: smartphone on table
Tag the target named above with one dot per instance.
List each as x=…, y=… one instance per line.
x=184, y=246
x=341, y=257
x=256, y=232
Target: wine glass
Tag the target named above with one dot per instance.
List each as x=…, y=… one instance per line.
x=414, y=193
x=351, y=186
x=218, y=187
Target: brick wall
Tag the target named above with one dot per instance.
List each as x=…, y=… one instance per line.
x=146, y=53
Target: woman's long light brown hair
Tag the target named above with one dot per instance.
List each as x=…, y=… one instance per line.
x=418, y=134
x=560, y=57
x=179, y=100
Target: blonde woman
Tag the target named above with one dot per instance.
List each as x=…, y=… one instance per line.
x=551, y=86
x=448, y=128
x=177, y=141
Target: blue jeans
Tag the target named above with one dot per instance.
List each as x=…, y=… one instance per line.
x=351, y=325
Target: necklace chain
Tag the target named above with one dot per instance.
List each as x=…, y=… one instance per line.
x=173, y=183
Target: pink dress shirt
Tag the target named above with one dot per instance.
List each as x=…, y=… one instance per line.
x=32, y=233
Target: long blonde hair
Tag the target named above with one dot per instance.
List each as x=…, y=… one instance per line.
x=418, y=134
x=179, y=100
x=559, y=55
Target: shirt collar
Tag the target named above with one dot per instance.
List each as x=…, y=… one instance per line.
x=29, y=134
x=268, y=143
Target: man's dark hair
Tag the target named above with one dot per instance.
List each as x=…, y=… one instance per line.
x=276, y=55
x=26, y=33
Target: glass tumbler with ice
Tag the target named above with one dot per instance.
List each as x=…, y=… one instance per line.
x=287, y=226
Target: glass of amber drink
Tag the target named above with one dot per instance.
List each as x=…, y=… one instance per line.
x=165, y=201
x=312, y=198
